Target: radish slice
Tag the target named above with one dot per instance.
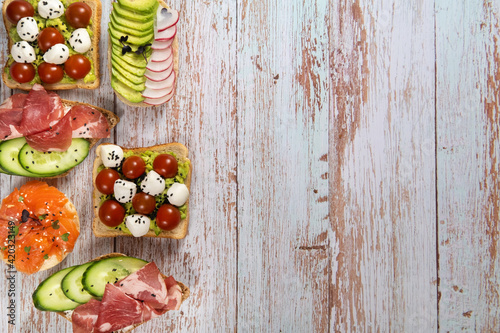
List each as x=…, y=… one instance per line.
x=168, y=82
x=157, y=93
x=158, y=45
x=158, y=101
x=159, y=76
x=160, y=66
x=161, y=55
x=166, y=18
x=165, y=34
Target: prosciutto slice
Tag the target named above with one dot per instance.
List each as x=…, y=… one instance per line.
x=85, y=316
x=40, y=111
x=11, y=114
x=87, y=122
x=57, y=138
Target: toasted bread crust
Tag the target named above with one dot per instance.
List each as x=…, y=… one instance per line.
x=184, y=288
x=101, y=230
x=175, y=50
x=96, y=25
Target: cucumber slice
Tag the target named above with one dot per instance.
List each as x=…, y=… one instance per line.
x=109, y=270
x=9, y=161
x=52, y=163
x=72, y=285
x=49, y=295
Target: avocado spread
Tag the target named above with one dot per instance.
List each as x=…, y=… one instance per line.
x=149, y=157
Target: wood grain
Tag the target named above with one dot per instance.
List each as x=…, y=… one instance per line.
x=468, y=132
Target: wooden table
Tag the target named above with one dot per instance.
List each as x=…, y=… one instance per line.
x=346, y=169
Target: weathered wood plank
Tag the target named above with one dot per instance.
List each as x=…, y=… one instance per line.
x=283, y=239
x=382, y=166
x=468, y=96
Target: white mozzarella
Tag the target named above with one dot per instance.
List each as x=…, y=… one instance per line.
x=50, y=9
x=124, y=190
x=138, y=224
x=80, y=40
x=27, y=29
x=23, y=52
x=153, y=183
x=57, y=54
x=111, y=155
x=177, y=194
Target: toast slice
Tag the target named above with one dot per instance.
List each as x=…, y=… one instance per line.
x=101, y=230
x=184, y=288
x=175, y=51
x=92, y=54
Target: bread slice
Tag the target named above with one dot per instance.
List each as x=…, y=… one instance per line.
x=101, y=230
x=95, y=5
x=53, y=260
x=184, y=288
x=175, y=50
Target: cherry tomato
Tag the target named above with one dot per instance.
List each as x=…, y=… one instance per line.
x=22, y=72
x=168, y=217
x=111, y=213
x=48, y=37
x=105, y=181
x=143, y=203
x=133, y=167
x=165, y=165
x=50, y=73
x=78, y=14
x=77, y=66
x=18, y=9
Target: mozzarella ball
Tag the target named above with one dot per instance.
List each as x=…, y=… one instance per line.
x=153, y=183
x=177, y=194
x=50, y=9
x=27, y=29
x=80, y=40
x=23, y=52
x=124, y=190
x=138, y=224
x=111, y=155
x=57, y=54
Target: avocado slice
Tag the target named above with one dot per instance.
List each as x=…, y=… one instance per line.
x=136, y=27
x=129, y=31
x=133, y=77
x=131, y=58
x=137, y=87
x=144, y=6
x=131, y=39
x=132, y=15
x=127, y=92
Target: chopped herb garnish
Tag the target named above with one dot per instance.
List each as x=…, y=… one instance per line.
x=64, y=237
x=46, y=257
x=27, y=249
x=55, y=224
x=20, y=199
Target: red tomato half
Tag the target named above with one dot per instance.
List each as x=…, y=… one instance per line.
x=49, y=37
x=168, y=217
x=105, y=180
x=111, y=213
x=22, y=72
x=18, y=9
x=77, y=66
x=133, y=167
x=144, y=203
x=165, y=165
x=50, y=73
x=78, y=15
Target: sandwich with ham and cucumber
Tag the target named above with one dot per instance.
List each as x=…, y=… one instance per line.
x=143, y=51
x=141, y=192
x=112, y=293
x=42, y=135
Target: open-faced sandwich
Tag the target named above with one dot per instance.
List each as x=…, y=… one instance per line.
x=112, y=293
x=143, y=51
x=52, y=42
x=42, y=135
x=39, y=226
x=141, y=191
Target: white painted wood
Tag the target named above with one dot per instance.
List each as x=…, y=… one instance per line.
x=468, y=133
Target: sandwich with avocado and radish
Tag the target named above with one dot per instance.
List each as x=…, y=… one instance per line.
x=143, y=51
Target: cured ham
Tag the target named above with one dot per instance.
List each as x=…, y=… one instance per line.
x=87, y=122
x=11, y=114
x=85, y=316
x=57, y=138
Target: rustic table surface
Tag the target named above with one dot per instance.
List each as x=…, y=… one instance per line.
x=346, y=169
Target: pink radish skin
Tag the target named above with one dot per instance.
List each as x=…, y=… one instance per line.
x=158, y=101
x=160, y=66
x=157, y=85
x=157, y=45
x=157, y=93
x=166, y=34
x=166, y=18
x=159, y=76
x=161, y=55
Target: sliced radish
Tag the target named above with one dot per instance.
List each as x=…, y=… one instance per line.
x=161, y=55
x=166, y=34
x=159, y=45
x=159, y=76
x=160, y=66
x=158, y=101
x=168, y=82
x=166, y=18
x=157, y=93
